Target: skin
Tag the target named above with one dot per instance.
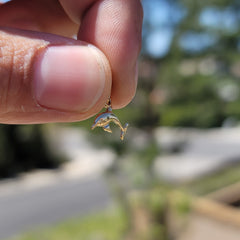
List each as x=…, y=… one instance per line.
x=28, y=28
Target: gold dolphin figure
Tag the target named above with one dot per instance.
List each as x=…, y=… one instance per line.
x=105, y=118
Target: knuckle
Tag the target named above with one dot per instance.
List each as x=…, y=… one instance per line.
x=6, y=69
x=15, y=63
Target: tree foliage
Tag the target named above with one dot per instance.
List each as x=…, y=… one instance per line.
x=198, y=76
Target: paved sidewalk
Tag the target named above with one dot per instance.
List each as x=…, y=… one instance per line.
x=201, y=152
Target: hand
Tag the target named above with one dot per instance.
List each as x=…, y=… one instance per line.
x=46, y=76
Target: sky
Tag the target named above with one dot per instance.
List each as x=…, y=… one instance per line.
x=163, y=15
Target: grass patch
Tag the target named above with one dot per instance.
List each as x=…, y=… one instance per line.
x=215, y=181
x=109, y=225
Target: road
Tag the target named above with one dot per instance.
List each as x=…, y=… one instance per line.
x=26, y=209
x=45, y=197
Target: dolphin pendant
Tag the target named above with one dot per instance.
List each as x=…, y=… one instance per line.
x=105, y=118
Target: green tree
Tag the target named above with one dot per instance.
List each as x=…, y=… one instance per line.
x=198, y=76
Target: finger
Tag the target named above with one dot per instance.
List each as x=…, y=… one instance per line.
x=114, y=26
x=48, y=78
x=39, y=15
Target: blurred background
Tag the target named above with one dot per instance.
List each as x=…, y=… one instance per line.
x=175, y=176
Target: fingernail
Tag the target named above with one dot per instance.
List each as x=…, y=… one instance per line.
x=68, y=78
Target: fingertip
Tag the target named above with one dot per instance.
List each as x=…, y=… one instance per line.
x=118, y=34
x=124, y=90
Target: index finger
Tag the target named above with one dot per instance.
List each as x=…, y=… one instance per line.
x=114, y=26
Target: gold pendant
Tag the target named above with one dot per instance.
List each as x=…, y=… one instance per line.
x=105, y=118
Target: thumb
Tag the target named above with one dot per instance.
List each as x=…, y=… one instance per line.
x=48, y=78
